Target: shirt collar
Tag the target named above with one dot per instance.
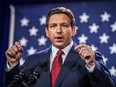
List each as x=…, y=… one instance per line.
x=65, y=50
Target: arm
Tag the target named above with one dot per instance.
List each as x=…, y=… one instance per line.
x=101, y=75
x=9, y=75
x=13, y=55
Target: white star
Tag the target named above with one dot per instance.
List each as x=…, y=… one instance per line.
x=42, y=41
x=113, y=26
x=22, y=61
x=113, y=49
x=23, y=41
x=24, y=22
x=82, y=38
x=93, y=47
x=33, y=31
x=104, y=59
x=31, y=51
x=104, y=38
x=42, y=20
x=93, y=28
x=84, y=18
x=105, y=17
x=113, y=71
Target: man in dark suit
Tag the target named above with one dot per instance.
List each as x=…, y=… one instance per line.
x=64, y=63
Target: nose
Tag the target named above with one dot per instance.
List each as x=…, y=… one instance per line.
x=59, y=30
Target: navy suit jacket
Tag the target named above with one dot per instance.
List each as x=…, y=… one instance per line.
x=73, y=72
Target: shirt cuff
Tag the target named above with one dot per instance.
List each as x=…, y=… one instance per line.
x=91, y=69
x=8, y=67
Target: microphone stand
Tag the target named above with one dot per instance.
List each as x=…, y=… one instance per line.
x=18, y=78
x=33, y=77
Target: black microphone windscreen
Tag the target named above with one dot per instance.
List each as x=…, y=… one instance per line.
x=25, y=72
x=34, y=76
x=18, y=78
x=38, y=70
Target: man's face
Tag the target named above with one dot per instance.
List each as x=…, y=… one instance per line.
x=59, y=30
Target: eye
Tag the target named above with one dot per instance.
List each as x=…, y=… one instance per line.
x=65, y=25
x=53, y=26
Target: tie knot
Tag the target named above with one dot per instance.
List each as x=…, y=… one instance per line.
x=60, y=52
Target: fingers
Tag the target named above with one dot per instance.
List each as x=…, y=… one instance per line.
x=13, y=50
x=18, y=45
x=86, y=53
x=14, y=53
x=84, y=50
x=81, y=46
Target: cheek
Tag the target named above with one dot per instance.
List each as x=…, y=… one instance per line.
x=51, y=35
x=68, y=33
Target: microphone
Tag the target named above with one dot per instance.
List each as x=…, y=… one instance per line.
x=17, y=78
x=34, y=76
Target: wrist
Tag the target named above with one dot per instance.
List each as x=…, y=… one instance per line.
x=91, y=64
x=12, y=64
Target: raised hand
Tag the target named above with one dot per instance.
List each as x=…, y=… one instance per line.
x=86, y=53
x=14, y=53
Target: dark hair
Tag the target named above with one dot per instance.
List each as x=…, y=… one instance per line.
x=61, y=10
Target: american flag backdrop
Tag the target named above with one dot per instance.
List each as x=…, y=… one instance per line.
x=95, y=23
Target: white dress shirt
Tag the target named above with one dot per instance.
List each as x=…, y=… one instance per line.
x=66, y=51
x=55, y=50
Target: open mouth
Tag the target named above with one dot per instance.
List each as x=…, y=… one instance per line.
x=59, y=39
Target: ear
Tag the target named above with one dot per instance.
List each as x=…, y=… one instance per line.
x=73, y=31
x=47, y=32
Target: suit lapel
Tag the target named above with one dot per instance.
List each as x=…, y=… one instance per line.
x=46, y=56
x=71, y=59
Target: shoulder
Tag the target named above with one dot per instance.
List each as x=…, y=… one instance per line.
x=40, y=53
x=37, y=58
x=99, y=57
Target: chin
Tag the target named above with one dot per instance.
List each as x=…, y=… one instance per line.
x=59, y=45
